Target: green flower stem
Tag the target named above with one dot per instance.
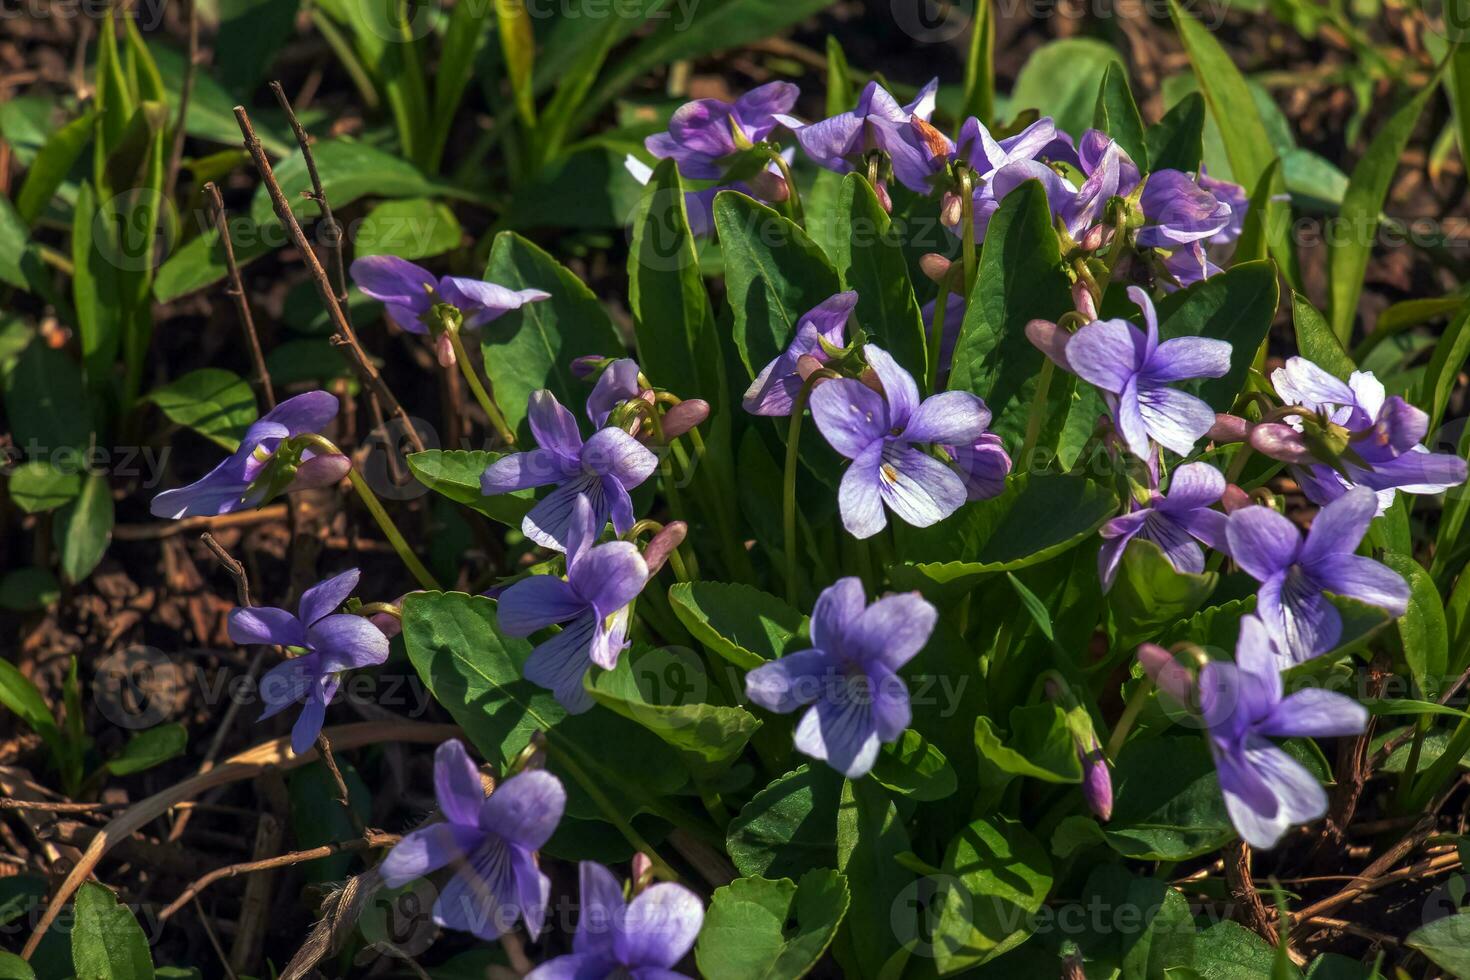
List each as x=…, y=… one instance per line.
x=1135, y=704
x=375, y=507
x=563, y=757
x=492, y=411
x=788, y=488
x=793, y=200
x=666, y=472
x=1038, y=412
x=967, y=229
x=936, y=334
x=737, y=559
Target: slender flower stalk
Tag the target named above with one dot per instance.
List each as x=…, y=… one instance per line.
x=472, y=378
x=936, y=333
x=788, y=483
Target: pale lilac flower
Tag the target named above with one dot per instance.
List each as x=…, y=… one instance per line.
x=643, y=939
x=701, y=134
x=1109, y=171
x=768, y=185
x=1174, y=522
x=1233, y=195
x=1387, y=437
x=876, y=122
x=1187, y=265
x=591, y=603
x=881, y=435
x=617, y=383
x=1134, y=370
x=983, y=465
x=774, y=390
x=1294, y=572
x=1266, y=790
x=850, y=676
x=491, y=842
x=333, y=642
x=409, y=292
x=1177, y=211
x=604, y=468
x=1003, y=165
x=255, y=473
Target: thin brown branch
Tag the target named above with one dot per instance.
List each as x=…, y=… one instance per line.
x=214, y=940
x=236, y=291
x=167, y=529
x=232, y=566
x=368, y=841
x=346, y=337
x=1243, y=890
x=186, y=92
x=344, y=798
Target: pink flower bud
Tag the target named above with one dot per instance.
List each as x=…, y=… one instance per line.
x=1083, y=302
x=770, y=187
x=951, y=209
x=325, y=470
x=656, y=552
x=1096, y=237
x=444, y=351
x=642, y=869
x=883, y=198
x=934, y=266
x=1229, y=428
x=1234, y=498
x=1169, y=675
x=1051, y=340
x=807, y=365
x=684, y=416
x=1280, y=441
x=1097, y=784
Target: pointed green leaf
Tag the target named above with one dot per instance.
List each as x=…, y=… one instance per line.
x=757, y=929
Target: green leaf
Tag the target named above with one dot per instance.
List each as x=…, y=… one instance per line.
x=1062, y=79
x=998, y=875
x=1422, y=628
x=215, y=403
x=16, y=252
x=757, y=929
x=95, y=289
x=1039, y=745
x=533, y=347
x=1150, y=594
x=518, y=50
x=317, y=815
x=1316, y=341
x=774, y=274
x=1167, y=804
x=1176, y=142
x=257, y=29
x=1162, y=934
x=789, y=827
x=12, y=967
x=742, y=624
x=1117, y=115
x=663, y=689
x=45, y=403
x=914, y=767
x=149, y=748
x=1236, y=306
x=455, y=473
x=1019, y=279
x=349, y=171
x=106, y=941
x=1442, y=374
x=28, y=589
x=678, y=347
x=52, y=164
x=1037, y=518
x=1228, y=949
x=1445, y=942
x=870, y=260
x=83, y=528
x=39, y=486
x=413, y=228
x=22, y=699
x=870, y=837
x=1348, y=251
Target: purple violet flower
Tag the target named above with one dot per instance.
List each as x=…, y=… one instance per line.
x=1177, y=211
x=254, y=473
x=849, y=676
x=617, y=383
x=774, y=390
x=701, y=133
x=1294, y=572
x=1002, y=166
x=408, y=291
x=492, y=843
x=592, y=603
x=768, y=185
x=1109, y=172
x=1387, y=431
x=1266, y=790
x=983, y=466
x=334, y=642
x=1188, y=264
x=645, y=938
x=876, y=122
x=1133, y=369
x=1235, y=196
x=1174, y=522
x=604, y=468
x=880, y=434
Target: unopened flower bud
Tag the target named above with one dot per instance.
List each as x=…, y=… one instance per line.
x=1097, y=783
x=1234, y=498
x=642, y=868
x=1095, y=238
x=807, y=365
x=1072, y=964
x=588, y=365
x=934, y=266
x=320, y=471
x=684, y=416
x=1280, y=441
x=1083, y=302
x=444, y=350
x=1050, y=339
x=389, y=624
x=951, y=209
x=883, y=199
x=656, y=552
x=1169, y=675
x=1229, y=428
x=769, y=187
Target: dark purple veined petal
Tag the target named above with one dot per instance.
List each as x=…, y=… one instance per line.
x=617, y=383
x=389, y=279
x=918, y=488
x=601, y=915
x=457, y=784
x=899, y=388
x=424, y=851
x=560, y=663
x=584, y=528
x=757, y=109
x=830, y=142
x=839, y=729
x=609, y=576
x=1185, y=358
x=1363, y=579
x=265, y=624
x=891, y=711
x=1339, y=527
x=288, y=683
x=613, y=453
x=1177, y=211
x=313, y=715
x=1258, y=653
x=1297, y=796
x=536, y=602
x=533, y=890
x=1175, y=541
x=1107, y=354
x=483, y=302
x=1416, y=471
x=1116, y=534
x=1174, y=419
x=1300, y=382
x=838, y=606
x=327, y=595
x=481, y=898
x=983, y=466
x=891, y=631
x=547, y=523
x=1192, y=486
x=522, y=471
x=794, y=680
x=859, y=499
x=659, y=927
x=610, y=639
x=1292, y=605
